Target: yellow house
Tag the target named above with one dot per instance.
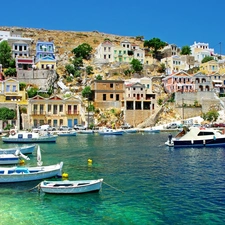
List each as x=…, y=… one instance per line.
x=10, y=91
x=209, y=67
x=55, y=111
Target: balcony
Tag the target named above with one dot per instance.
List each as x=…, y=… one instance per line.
x=38, y=113
x=70, y=112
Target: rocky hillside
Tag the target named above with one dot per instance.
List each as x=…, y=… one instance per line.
x=65, y=41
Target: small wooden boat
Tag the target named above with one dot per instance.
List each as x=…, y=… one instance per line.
x=107, y=131
x=20, y=174
x=29, y=137
x=71, y=187
x=23, y=149
x=67, y=133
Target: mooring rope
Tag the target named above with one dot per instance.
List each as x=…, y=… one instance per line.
x=113, y=187
x=37, y=186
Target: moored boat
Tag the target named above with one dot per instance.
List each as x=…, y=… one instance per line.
x=28, y=149
x=151, y=130
x=67, y=133
x=71, y=187
x=29, y=137
x=20, y=174
x=15, y=158
x=197, y=137
x=107, y=131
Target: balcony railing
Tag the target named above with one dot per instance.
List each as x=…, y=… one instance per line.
x=38, y=112
x=70, y=112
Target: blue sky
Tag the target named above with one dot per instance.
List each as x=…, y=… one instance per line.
x=173, y=21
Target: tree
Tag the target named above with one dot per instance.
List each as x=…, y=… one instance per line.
x=162, y=68
x=86, y=92
x=136, y=65
x=5, y=54
x=185, y=50
x=7, y=114
x=22, y=86
x=11, y=72
x=207, y=58
x=83, y=51
x=155, y=44
x=32, y=92
x=89, y=70
x=211, y=115
x=98, y=77
x=70, y=69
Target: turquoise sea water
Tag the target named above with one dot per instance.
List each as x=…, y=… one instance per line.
x=145, y=183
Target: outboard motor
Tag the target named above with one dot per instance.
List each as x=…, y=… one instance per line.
x=170, y=136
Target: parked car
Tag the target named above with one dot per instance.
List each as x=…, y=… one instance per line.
x=80, y=127
x=65, y=128
x=173, y=126
x=126, y=126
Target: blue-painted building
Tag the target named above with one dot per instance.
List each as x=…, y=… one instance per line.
x=45, y=55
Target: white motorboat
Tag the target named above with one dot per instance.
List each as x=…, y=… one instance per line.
x=197, y=137
x=29, y=137
x=71, y=187
x=67, y=133
x=108, y=131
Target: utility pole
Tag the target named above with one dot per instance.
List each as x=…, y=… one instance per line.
x=220, y=49
x=183, y=109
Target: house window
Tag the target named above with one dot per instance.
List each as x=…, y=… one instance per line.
x=117, y=97
x=111, y=85
x=35, y=108
x=104, y=49
x=104, y=97
x=134, y=95
x=15, y=47
x=14, y=88
x=115, y=51
x=49, y=108
x=124, y=52
x=42, y=66
x=61, y=121
x=60, y=108
x=104, y=56
x=7, y=88
x=25, y=47
x=109, y=56
x=111, y=95
x=41, y=109
x=133, y=89
x=49, y=47
x=109, y=49
x=55, y=107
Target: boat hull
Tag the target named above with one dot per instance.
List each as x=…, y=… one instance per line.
x=67, y=134
x=29, y=140
x=23, y=149
x=21, y=174
x=71, y=187
x=199, y=143
x=8, y=160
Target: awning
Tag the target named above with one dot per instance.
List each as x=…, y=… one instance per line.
x=217, y=81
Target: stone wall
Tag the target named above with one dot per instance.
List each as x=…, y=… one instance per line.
x=42, y=78
x=135, y=117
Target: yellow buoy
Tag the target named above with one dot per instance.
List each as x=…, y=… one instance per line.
x=22, y=161
x=65, y=175
x=89, y=161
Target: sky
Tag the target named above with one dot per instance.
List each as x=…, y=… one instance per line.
x=173, y=21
